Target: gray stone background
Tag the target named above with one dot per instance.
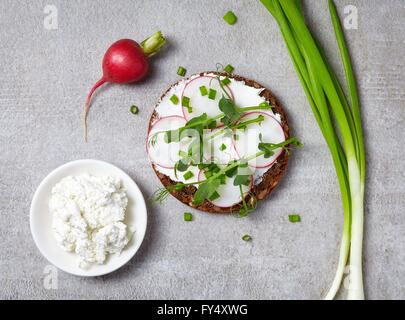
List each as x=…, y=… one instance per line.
x=47, y=74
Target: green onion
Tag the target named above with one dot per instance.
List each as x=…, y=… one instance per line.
x=294, y=217
x=223, y=179
x=174, y=99
x=203, y=91
x=185, y=102
x=188, y=175
x=226, y=81
x=328, y=102
x=230, y=17
x=246, y=237
x=181, y=71
x=222, y=147
x=202, y=165
x=212, y=93
x=235, y=137
x=208, y=174
x=228, y=68
x=188, y=216
x=134, y=109
x=215, y=196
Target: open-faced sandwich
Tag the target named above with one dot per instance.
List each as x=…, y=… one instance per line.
x=218, y=142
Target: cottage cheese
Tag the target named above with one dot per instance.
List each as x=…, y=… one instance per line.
x=88, y=217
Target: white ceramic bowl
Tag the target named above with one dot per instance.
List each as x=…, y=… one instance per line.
x=41, y=218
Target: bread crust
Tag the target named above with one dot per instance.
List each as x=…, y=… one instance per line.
x=271, y=177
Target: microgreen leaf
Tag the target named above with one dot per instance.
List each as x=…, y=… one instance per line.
x=206, y=190
x=241, y=180
x=228, y=107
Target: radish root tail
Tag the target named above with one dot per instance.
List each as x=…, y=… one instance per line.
x=86, y=106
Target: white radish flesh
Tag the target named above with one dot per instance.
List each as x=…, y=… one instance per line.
x=166, y=154
x=229, y=194
x=248, y=140
x=218, y=146
x=202, y=104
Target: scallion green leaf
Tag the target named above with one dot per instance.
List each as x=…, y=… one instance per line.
x=212, y=93
x=134, y=109
x=294, y=218
x=174, y=99
x=185, y=102
x=226, y=81
x=246, y=237
x=228, y=68
x=230, y=17
x=181, y=71
x=188, y=175
x=203, y=91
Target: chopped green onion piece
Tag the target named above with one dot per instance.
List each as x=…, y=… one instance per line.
x=189, y=109
x=185, y=102
x=226, y=81
x=222, y=147
x=223, y=179
x=181, y=71
x=235, y=137
x=294, y=217
x=212, y=94
x=246, y=237
x=214, y=196
x=134, y=109
x=214, y=168
x=203, y=91
x=208, y=174
x=230, y=17
x=174, y=99
x=202, y=166
x=188, y=175
x=264, y=104
x=228, y=68
x=188, y=216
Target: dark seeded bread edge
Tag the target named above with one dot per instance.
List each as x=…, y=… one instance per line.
x=271, y=177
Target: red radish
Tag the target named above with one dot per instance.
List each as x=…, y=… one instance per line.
x=126, y=61
x=199, y=103
x=229, y=194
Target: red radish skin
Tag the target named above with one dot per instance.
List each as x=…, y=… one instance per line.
x=250, y=188
x=281, y=151
x=125, y=61
x=185, y=87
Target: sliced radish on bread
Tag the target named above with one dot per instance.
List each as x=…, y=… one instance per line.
x=199, y=103
x=270, y=130
x=160, y=152
x=229, y=195
x=218, y=146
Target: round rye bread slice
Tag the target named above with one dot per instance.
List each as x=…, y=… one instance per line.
x=270, y=178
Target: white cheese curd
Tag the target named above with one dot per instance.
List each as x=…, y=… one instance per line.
x=88, y=217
